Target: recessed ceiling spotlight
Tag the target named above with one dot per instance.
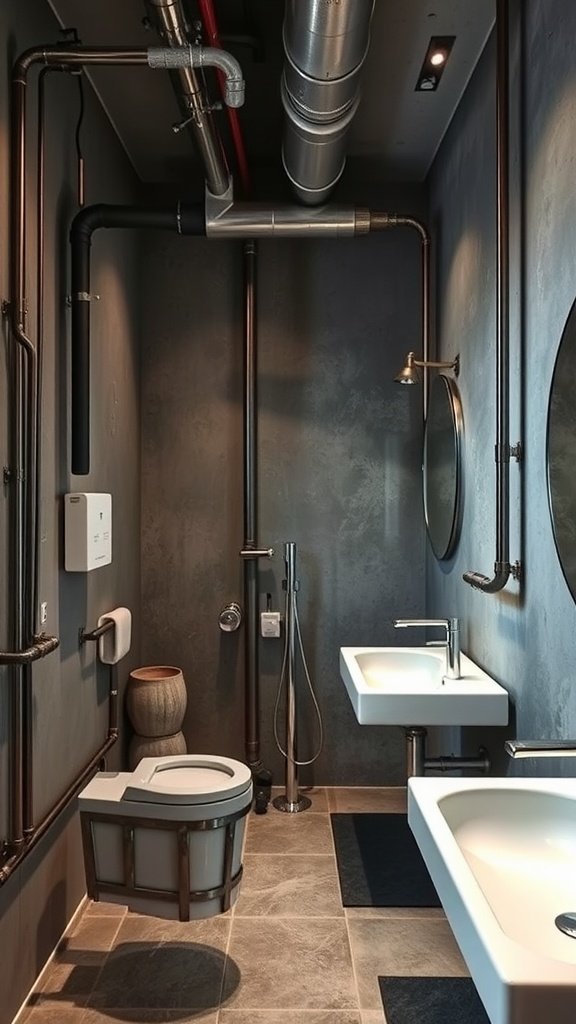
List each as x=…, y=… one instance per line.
x=437, y=54
x=439, y=57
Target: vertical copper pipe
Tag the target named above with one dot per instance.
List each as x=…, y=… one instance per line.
x=502, y=567
x=24, y=422
x=23, y=440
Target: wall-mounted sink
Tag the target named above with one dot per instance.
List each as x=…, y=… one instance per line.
x=502, y=855
x=406, y=686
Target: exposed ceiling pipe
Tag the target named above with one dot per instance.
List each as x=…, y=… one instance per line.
x=325, y=46
x=184, y=219
x=227, y=219
x=168, y=16
x=210, y=25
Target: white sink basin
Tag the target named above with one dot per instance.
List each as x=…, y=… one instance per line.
x=406, y=686
x=502, y=855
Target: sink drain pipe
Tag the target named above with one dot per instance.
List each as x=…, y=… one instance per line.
x=417, y=762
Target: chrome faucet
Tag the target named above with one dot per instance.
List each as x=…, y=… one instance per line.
x=452, y=642
x=540, y=748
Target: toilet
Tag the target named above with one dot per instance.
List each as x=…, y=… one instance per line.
x=166, y=839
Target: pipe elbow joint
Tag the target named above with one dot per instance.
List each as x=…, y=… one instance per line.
x=213, y=56
x=169, y=59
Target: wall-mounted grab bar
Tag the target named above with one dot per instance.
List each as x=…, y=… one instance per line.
x=95, y=634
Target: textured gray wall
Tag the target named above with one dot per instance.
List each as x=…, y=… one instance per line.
x=524, y=638
x=70, y=693
x=339, y=470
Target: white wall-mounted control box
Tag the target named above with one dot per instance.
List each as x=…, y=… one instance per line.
x=87, y=531
x=270, y=624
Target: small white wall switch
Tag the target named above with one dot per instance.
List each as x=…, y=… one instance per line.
x=87, y=531
x=270, y=624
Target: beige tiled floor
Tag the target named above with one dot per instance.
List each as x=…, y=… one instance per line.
x=287, y=953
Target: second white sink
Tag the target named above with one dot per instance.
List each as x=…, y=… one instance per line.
x=502, y=855
x=407, y=686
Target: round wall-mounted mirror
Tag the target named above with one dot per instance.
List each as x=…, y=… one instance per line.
x=442, y=470
x=560, y=449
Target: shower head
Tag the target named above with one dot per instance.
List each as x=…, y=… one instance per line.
x=410, y=373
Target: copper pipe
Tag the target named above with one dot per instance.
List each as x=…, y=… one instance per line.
x=502, y=566
x=381, y=221
x=40, y=830
x=28, y=646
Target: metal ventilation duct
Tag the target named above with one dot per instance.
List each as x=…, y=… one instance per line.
x=325, y=46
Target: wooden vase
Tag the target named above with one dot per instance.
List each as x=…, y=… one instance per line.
x=156, y=700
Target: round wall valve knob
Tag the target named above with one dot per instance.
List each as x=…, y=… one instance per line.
x=230, y=617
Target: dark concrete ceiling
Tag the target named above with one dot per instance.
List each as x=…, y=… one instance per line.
x=397, y=129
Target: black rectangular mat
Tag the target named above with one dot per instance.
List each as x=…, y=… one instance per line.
x=379, y=862
x=431, y=1001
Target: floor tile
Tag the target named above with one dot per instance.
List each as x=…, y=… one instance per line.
x=70, y=978
x=140, y=927
x=396, y=912
x=401, y=947
x=164, y=964
x=290, y=1017
x=372, y=1017
x=68, y=982
x=124, y=1016
x=289, y=886
x=90, y=935
x=51, y=1015
x=308, y=833
x=99, y=908
x=290, y=964
x=316, y=794
x=357, y=799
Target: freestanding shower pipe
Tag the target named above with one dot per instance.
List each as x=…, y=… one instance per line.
x=291, y=800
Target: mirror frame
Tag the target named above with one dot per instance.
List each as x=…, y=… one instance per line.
x=569, y=326
x=455, y=404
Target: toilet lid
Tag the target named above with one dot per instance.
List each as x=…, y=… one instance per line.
x=187, y=779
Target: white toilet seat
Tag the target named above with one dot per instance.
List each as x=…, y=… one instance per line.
x=187, y=779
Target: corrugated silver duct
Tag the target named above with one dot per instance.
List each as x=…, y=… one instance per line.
x=325, y=46
x=168, y=17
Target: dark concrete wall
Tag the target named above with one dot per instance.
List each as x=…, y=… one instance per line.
x=523, y=636
x=339, y=473
x=69, y=690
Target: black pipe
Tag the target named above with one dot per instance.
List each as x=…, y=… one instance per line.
x=261, y=775
x=250, y=564
x=184, y=219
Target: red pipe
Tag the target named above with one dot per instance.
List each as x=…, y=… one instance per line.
x=208, y=15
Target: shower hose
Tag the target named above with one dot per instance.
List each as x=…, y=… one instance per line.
x=293, y=633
